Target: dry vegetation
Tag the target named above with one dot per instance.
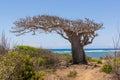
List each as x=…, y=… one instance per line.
x=113, y=60
x=4, y=44
x=30, y=63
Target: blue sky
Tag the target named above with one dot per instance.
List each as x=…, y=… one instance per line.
x=101, y=11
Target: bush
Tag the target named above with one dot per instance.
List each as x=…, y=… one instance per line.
x=28, y=63
x=32, y=51
x=42, y=61
x=39, y=75
x=51, y=59
x=26, y=70
x=107, y=68
x=72, y=74
x=15, y=66
x=45, y=58
x=99, y=62
x=114, y=61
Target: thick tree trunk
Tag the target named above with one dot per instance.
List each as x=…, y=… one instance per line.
x=78, y=53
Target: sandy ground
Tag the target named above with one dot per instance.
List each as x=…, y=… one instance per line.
x=84, y=72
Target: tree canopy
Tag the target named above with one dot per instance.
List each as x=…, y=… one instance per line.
x=84, y=29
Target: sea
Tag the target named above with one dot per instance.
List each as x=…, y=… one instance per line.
x=94, y=53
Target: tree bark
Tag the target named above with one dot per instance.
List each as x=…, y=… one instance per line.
x=78, y=53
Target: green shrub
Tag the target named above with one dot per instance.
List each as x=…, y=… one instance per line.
x=45, y=58
x=40, y=75
x=72, y=74
x=32, y=51
x=15, y=66
x=26, y=70
x=26, y=63
x=99, y=62
x=107, y=68
x=42, y=61
x=8, y=63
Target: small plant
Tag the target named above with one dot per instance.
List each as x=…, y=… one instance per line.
x=72, y=74
x=40, y=75
x=99, y=62
x=107, y=68
x=41, y=61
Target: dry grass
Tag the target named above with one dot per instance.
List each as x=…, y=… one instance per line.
x=4, y=44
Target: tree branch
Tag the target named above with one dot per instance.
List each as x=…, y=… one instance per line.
x=60, y=32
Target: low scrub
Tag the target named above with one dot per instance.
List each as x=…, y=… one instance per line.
x=15, y=66
x=4, y=44
x=32, y=51
x=114, y=61
x=28, y=63
x=107, y=68
x=72, y=74
x=99, y=62
x=95, y=60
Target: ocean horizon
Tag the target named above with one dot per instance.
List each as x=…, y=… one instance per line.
x=92, y=52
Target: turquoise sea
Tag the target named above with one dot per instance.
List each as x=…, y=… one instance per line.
x=95, y=53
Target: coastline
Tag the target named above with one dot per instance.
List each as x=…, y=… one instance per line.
x=92, y=52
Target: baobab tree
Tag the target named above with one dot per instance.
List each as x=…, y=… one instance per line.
x=78, y=32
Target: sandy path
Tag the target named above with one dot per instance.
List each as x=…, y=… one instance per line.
x=84, y=72
x=90, y=74
x=87, y=76
x=93, y=73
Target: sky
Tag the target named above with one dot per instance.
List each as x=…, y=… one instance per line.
x=101, y=11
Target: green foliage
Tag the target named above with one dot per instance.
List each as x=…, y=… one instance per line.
x=42, y=61
x=45, y=58
x=28, y=63
x=16, y=66
x=26, y=69
x=32, y=51
x=72, y=74
x=7, y=64
x=107, y=68
x=40, y=75
x=99, y=62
